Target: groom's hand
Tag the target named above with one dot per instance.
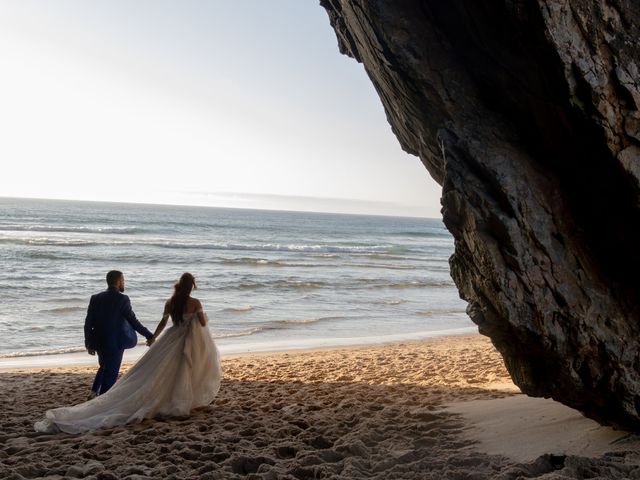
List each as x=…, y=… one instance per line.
x=150, y=341
x=91, y=351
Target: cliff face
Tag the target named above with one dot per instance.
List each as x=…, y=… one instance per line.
x=527, y=113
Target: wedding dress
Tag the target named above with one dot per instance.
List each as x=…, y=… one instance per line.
x=180, y=371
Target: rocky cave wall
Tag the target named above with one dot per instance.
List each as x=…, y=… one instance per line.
x=527, y=113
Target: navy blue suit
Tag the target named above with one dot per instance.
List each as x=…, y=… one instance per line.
x=103, y=329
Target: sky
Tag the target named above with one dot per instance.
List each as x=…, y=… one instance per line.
x=234, y=103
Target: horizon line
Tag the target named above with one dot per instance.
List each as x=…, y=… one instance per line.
x=131, y=202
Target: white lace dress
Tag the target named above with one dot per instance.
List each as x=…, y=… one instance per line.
x=180, y=371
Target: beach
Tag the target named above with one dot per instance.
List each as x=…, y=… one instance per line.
x=435, y=408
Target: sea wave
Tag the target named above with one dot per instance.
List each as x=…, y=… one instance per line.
x=63, y=310
x=386, y=266
x=290, y=284
x=424, y=233
x=238, y=333
x=346, y=284
x=391, y=302
x=304, y=321
x=250, y=261
x=275, y=247
x=52, y=242
x=273, y=325
x=246, y=308
x=170, y=244
x=69, y=229
x=387, y=256
x=67, y=300
x=420, y=284
x=38, y=353
x=268, y=326
x=382, y=283
x=45, y=255
x=263, y=262
x=439, y=312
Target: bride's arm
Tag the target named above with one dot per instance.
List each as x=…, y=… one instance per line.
x=163, y=322
x=201, y=316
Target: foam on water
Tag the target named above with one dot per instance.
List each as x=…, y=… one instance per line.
x=246, y=308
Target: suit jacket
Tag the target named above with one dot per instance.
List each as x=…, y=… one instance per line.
x=103, y=327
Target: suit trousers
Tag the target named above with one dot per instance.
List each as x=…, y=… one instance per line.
x=107, y=374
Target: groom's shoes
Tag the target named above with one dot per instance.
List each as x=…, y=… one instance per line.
x=92, y=395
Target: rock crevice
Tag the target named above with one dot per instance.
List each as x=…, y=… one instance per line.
x=527, y=113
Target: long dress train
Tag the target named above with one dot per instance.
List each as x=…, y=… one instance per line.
x=180, y=371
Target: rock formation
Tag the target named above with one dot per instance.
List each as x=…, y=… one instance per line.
x=527, y=113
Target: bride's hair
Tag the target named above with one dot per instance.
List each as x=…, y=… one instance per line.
x=181, y=291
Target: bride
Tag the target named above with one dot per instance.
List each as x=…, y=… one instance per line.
x=180, y=372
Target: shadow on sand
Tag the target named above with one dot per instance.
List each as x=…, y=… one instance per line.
x=272, y=430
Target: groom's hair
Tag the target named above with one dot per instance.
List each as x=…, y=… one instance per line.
x=112, y=277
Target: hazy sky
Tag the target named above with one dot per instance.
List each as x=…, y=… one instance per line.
x=228, y=103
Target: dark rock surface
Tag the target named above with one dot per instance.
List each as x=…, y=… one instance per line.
x=527, y=113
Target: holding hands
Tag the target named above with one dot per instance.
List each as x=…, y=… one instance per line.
x=150, y=340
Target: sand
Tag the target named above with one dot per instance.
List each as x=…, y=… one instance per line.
x=442, y=408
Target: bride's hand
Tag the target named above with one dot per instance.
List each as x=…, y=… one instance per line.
x=150, y=341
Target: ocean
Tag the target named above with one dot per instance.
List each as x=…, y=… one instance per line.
x=269, y=280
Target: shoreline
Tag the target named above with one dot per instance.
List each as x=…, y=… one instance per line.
x=82, y=359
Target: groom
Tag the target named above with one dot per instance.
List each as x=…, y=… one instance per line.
x=106, y=331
